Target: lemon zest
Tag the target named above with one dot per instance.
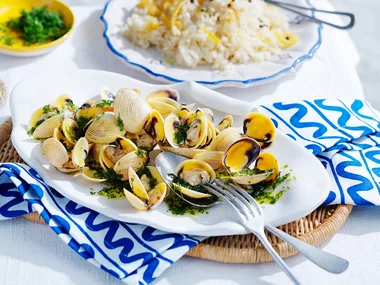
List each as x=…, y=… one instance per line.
x=212, y=36
x=175, y=14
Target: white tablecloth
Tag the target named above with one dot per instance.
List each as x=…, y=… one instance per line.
x=32, y=254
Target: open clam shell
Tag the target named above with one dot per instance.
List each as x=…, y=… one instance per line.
x=134, y=160
x=55, y=152
x=241, y=154
x=164, y=93
x=187, y=152
x=132, y=109
x=197, y=129
x=259, y=127
x=70, y=129
x=62, y=100
x=136, y=185
x=195, y=172
x=80, y=153
x=252, y=179
x=267, y=161
x=225, y=139
x=104, y=129
x=212, y=158
x=91, y=175
x=227, y=122
x=151, y=179
x=155, y=198
x=164, y=107
x=156, y=126
x=46, y=129
x=87, y=111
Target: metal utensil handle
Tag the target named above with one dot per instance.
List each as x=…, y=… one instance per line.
x=325, y=260
x=287, y=6
x=264, y=241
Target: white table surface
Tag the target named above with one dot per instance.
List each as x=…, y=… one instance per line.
x=32, y=254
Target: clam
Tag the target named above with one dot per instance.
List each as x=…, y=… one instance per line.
x=195, y=173
x=151, y=178
x=57, y=134
x=46, y=129
x=183, y=111
x=260, y=128
x=106, y=94
x=164, y=107
x=187, y=152
x=241, y=154
x=55, y=152
x=110, y=154
x=80, y=153
x=197, y=128
x=225, y=123
x=267, y=161
x=132, y=110
x=87, y=111
x=155, y=198
x=251, y=178
x=152, y=134
x=96, y=151
x=70, y=129
x=125, y=144
x=104, y=129
x=211, y=134
x=91, y=175
x=164, y=93
x=156, y=126
x=189, y=132
x=136, y=185
x=135, y=160
x=209, y=114
x=62, y=100
x=41, y=115
x=58, y=156
x=144, y=140
x=225, y=139
x=212, y=158
x=171, y=126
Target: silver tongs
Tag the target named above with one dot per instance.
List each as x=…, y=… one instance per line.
x=289, y=7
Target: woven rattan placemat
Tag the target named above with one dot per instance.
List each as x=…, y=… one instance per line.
x=315, y=228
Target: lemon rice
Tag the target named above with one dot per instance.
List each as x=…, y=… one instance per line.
x=209, y=32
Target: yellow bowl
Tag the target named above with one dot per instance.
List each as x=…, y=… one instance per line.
x=10, y=9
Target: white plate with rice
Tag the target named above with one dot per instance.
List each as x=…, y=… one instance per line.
x=221, y=43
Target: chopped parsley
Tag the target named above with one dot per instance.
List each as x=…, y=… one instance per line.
x=120, y=123
x=31, y=131
x=38, y=26
x=181, y=134
x=114, y=185
x=104, y=103
x=145, y=171
x=265, y=192
x=71, y=105
x=179, y=207
x=46, y=109
x=7, y=39
x=141, y=152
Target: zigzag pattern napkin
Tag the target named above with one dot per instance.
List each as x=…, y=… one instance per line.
x=343, y=134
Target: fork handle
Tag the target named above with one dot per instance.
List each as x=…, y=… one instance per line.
x=264, y=241
x=325, y=260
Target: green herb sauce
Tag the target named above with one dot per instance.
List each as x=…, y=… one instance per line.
x=104, y=103
x=120, y=123
x=37, y=26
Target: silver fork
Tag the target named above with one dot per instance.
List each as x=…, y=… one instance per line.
x=251, y=217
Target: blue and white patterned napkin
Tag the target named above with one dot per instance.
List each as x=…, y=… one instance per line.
x=343, y=134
